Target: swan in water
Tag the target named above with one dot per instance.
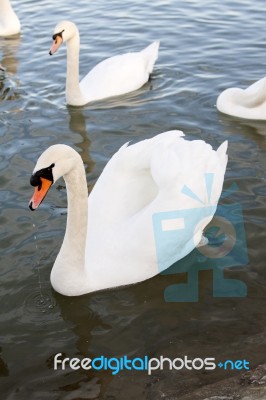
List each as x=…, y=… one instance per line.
x=112, y=77
x=249, y=103
x=9, y=22
x=110, y=235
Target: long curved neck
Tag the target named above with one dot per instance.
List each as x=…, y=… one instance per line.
x=77, y=219
x=73, y=93
x=69, y=268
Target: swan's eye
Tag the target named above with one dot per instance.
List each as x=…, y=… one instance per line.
x=35, y=180
x=58, y=34
x=46, y=173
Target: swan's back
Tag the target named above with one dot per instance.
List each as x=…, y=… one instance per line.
x=249, y=103
x=163, y=174
x=141, y=172
x=119, y=74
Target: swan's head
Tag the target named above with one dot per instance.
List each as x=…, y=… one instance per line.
x=56, y=161
x=63, y=31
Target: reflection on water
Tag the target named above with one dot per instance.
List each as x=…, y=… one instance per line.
x=3, y=366
x=9, y=48
x=9, y=53
x=197, y=60
x=77, y=124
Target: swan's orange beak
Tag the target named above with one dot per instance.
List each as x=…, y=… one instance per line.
x=39, y=193
x=57, y=41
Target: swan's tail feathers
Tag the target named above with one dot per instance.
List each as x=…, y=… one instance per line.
x=221, y=151
x=171, y=135
x=151, y=54
x=187, y=164
x=138, y=155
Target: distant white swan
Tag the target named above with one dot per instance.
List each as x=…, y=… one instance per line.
x=112, y=77
x=110, y=235
x=249, y=103
x=9, y=22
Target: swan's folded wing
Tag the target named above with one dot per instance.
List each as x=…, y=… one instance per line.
x=119, y=74
x=255, y=94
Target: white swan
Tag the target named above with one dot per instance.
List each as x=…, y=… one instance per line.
x=112, y=77
x=249, y=103
x=110, y=237
x=9, y=22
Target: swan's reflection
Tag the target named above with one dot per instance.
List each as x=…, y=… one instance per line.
x=77, y=124
x=250, y=138
x=9, y=61
x=4, y=371
x=109, y=322
x=248, y=128
x=105, y=324
x=9, y=48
